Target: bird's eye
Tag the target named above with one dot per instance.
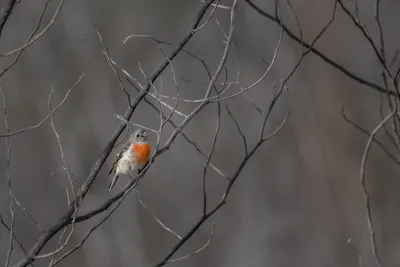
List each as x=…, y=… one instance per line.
x=137, y=135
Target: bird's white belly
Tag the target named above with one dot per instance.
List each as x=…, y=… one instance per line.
x=126, y=164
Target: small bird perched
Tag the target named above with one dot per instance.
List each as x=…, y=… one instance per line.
x=133, y=156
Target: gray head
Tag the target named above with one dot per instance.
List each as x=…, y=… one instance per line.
x=139, y=135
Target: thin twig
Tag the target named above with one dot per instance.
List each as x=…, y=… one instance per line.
x=360, y=261
x=238, y=129
x=29, y=38
x=48, y=116
x=131, y=78
x=209, y=17
x=2, y=222
x=367, y=203
x=155, y=217
x=63, y=186
x=9, y=180
x=214, y=141
x=91, y=230
x=57, y=247
x=27, y=213
x=318, y=53
x=243, y=90
x=105, y=52
x=40, y=34
x=361, y=129
x=197, y=251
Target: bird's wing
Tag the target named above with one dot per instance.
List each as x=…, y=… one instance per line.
x=124, y=148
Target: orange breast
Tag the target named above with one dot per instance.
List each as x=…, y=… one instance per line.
x=142, y=152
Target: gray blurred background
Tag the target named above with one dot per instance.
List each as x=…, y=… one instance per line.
x=298, y=200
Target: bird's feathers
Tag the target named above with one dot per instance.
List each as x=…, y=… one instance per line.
x=142, y=152
x=134, y=154
x=124, y=148
x=114, y=180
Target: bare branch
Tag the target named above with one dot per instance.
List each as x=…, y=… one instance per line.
x=392, y=137
x=59, y=247
x=131, y=78
x=48, y=116
x=214, y=141
x=138, y=125
x=361, y=129
x=9, y=181
x=318, y=53
x=88, y=233
x=30, y=37
x=2, y=222
x=63, y=186
x=155, y=217
x=298, y=25
x=360, y=261
x=243, y=90
x=180, y=127
x=239, y=130
x=373, y=244
x=209, y=17
x=197, y=251
x=365, y=32
x=105, y=52
x=222, y=201
x=40, y=34
x=6, y=14
x=27, y=213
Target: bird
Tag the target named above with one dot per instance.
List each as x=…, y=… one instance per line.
x=133, y=156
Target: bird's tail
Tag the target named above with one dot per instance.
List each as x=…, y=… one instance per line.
x=114, y=180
